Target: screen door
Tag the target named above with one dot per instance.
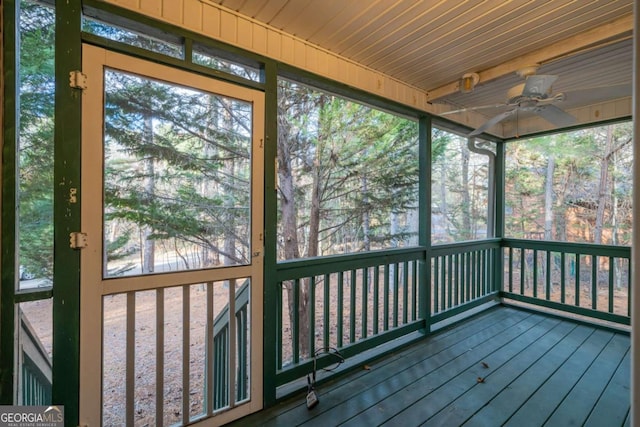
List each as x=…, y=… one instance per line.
x=171, y=245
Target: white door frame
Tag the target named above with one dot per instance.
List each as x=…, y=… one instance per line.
x=94, y=287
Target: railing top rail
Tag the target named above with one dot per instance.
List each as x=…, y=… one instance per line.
x=466, y=246
x=296, y=269
x=569, y=247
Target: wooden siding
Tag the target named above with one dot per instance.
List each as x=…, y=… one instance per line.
x=224, y=24
x=504, y=366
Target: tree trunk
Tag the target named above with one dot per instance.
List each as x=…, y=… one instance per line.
x=466, y=197
x=443, y=198
x=366, y=220
x=603, y=187
x=148, y=261
x=548, y=199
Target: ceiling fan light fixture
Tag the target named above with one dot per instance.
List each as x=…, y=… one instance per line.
x=468, y=82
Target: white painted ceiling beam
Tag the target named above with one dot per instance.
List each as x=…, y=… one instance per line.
x=605, y=33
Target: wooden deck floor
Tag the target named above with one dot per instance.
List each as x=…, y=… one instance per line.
x=505, y=366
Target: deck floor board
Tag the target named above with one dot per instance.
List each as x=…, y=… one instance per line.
x=536, y=370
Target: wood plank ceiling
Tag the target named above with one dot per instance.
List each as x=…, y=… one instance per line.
x=430, y=44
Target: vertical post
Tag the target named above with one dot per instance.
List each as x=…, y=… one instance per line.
x=272, y=304
x=7, y=308
x=499, y=201
x=635, y=254
x=66, y=212
x=424, y=212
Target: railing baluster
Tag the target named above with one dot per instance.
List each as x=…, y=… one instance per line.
x=405, y=292
x=535, y=273
x=510, y=269
x=386, y=297
x=468, y=269
x=611, y=282
x=577, y=275
x=233, y=334
x=474, y=274
x=340, y=307
x=186, y=354
x=279, y=310
x=443, y=283
x=629, y=290
x=396, y=283
x=352, y=307
x=312, y=315
x=449, y=259
x=463, y=278
x=563, y=271
x=295, y=328
x=594, y=282
x=436, y=284
x=457, y=298
x=414, y=290
x=327, y=307
x=365, y=297
x=210, y=354
x=160, y=361
x=130, y=358
x=483, y=272
x=523, y=254
x=548, y=276
x=376, y=299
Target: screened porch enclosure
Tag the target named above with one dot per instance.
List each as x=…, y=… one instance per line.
x=203, y=208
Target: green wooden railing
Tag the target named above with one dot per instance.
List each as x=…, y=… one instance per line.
x=36, y=369
x=221, y=342
x=356, y=302
x=584, y=279
x=463, y=275
x=352, y=303
x=36, y=388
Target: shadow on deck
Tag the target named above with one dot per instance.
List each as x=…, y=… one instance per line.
x=505, y=366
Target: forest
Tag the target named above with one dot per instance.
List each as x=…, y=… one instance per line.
x=573, y=187
x=347, y=172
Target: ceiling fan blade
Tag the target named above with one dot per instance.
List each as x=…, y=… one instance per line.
x=480, y=107
x=538, y=84
x=492, y=122
x=555, y=115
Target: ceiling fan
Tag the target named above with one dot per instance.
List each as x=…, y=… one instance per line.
x=534, y=95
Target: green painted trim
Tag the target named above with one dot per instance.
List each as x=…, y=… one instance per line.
x=33, y=296
x=271, y=294
x=425, y=132
x=500, y=183
x=184, y=64
x=463, y=247
x=298, y=371
x=569, y=247
x=7, y=308
x=296, y=269
x=566, y=308
x=465, y=307
x=66, y=276
x=126, y=18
